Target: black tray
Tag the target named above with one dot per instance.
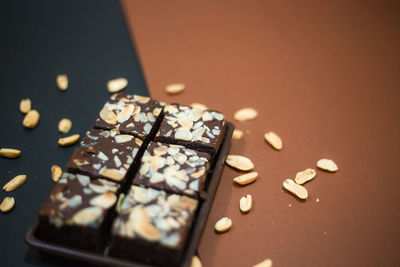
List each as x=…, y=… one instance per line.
x=194, y=235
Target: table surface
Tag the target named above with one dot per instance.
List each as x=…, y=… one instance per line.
x=325, y=77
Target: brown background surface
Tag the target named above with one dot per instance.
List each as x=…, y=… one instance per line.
x=325, y=77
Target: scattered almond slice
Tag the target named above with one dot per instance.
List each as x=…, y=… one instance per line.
x=274, y=140
x=245, y=114
x=296, y=189
x=14, y=183
x=246, y=203
x=327, y=165
x=239, y=162
x=108, y=116
x=31, y=119
x=64, y=125
x=10, y=153
x=7, y=204
x=237, y=134
x=62, y=82
x=69, y=140
x=25, y=105
x=305, y=176
x=199, y=106
x=196, y=262
x=117, y=85
x=223, y=225
x=245, y=179
x=265, y=263
x=175, y=88
x=56, y=173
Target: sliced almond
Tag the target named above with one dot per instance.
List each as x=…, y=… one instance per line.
x=245, y=179
x=196, y=262
x=64, y=125
x=14, y=183
x=147, y=230
x=69, y=140
x=10, y=153
x=117, y=85
x=125, y=114
x=183, y=134
x=296, y=189
x=239, y=162
x=237, y=134
x=62, y=82
x=31, y=119
x=7, y=204
x=141, y=99
x=265, y=263
x=327, y=165
x=108, y=116
x=199, y=106
x=25, y=105
x=175, y=88
x=113, y=174
x=246, y=203
x=274, y=140
x=245, y=114
x=305, y=176
x=87, y=215
x=105, y=200
x=56, y=173
x=122, y=138
x=223, y=225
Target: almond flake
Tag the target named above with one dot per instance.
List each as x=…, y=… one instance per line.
x=245, y=203
x=237, y=134
x=105, y=200
x=196, y=262
x=64, y=125
x=223, y=224
x=147, y=231
x=296, y=189
x=175, y=88
x=62, y=82
x=56, y=173
x=141, y=99
x=246, y=178
x=265, y=263
x=14, y=183
x=113, y=174
x=7, y=204
x=327, y=165
x=10, y=153
x=25, y=105
x=69, y=140
x=305, y=176
x=239, y=162
x=199, y=106
x=116, y=85
x=125, y=114
x=87, y=215
x=245, y=114
x=122, y=138
x=31, y=119
x=108, y=116
x=274, y=140
x=183, y=134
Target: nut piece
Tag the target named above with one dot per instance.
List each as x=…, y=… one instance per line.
x=296, y=189
x=199, y=106
x=327, y=165
x=175, y=88
x=245, y=203
x=14, y=183
x=223, y=225
x=31, y=119
x=64, y=125
x=69, y=140
x=87, y=215
x=105, y=200
x=239, y=162
x=10, y=153
x=117, y=85
x=56, y=173
x=237, y=134
x=196, y=262
x=274, y=140
x=113, y=174
x=245, y=179
x=62, y=82
x=108, y=116
x=147, y=231
x=25, y=105
x=265, y=263
x=305, y=176
x=7, y=204
x=245, y=114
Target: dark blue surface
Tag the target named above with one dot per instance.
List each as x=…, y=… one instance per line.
x=87, y=40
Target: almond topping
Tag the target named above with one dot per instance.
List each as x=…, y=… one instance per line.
x=10, y=153
x=124, y=115
x=105, y=200
x=265, y=263
x=245, y=114
x=246, y=178
x=7, y=204
x=69, y=140
x=14, y=183
x=298, y=190
x=31, y=119
x=196, y=262
x=56, y=173
x=64, y=125
x=274, y=140
x=108, y=116
x=245, y=203
x=117, y=85
x=25, y=105
x=175, y=88
x=113, y=174
x=223, y=225
x=327, y=165
x=237, y=134
x=62, y=82
x=305, y=176
x=199, y=106
x=239, y=162
x=147, y=231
